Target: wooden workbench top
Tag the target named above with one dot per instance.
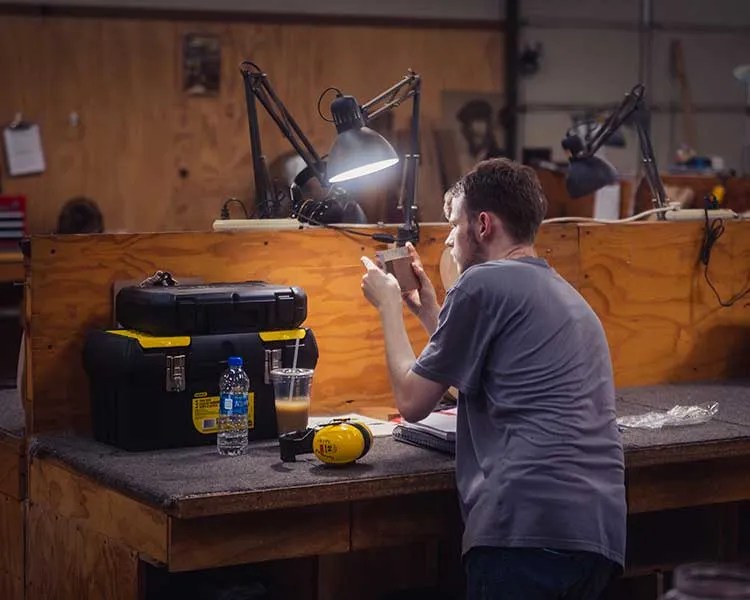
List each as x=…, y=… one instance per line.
x=11, y=266
x=195, y=482
x=10, y=256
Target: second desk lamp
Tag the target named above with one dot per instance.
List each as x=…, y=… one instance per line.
x=588, y=172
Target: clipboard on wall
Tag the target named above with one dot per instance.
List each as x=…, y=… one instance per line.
x=22, y=143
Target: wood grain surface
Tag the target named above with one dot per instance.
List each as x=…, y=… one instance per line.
x=72, y=278
x=156, y=159
x=12, y=467
x=675, y=486
x=11, y=267
x=403, y=520
x=97, y=508
x=662, y=321
x=66, y=561
x=643, y=281
x=12, y=514
x=259, y=536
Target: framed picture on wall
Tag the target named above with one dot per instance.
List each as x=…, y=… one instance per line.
x=201, y=64
x=471, y=131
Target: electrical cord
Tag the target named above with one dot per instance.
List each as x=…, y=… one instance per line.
x=712, y=231
x=385, y=238
x=390, y=239
x=320, y=98
x=645, y=213
x=225, y=208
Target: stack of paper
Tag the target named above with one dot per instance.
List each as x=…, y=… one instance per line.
x=378, y=427
x=437, y=431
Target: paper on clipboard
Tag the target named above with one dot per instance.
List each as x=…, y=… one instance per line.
x=23, y=149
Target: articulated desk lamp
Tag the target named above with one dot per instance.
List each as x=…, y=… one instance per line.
x=588, y=173
x=357, y=150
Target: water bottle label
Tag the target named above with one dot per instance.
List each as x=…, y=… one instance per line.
x=205, y=413
x=233, y=404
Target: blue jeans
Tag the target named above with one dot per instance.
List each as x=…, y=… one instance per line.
x=535, y=574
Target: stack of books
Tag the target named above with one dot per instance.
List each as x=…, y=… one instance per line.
x=437, y=432
x=12, y=221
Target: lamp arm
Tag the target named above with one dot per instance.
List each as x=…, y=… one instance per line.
x=261, y=175
x=371, y=116
x=411, y=79
x=258, y=86
x=632, y=102
x=410, y=87
x=409, y=231
x=649, y=164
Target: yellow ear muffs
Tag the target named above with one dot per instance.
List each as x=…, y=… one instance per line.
x=342, y=442
x=339, y=442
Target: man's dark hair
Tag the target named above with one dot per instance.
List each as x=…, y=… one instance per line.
x=80, y=215
x=510, y=190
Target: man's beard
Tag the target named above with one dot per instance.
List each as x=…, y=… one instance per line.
x=476, y=254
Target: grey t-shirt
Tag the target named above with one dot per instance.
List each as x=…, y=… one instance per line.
x=539, y=459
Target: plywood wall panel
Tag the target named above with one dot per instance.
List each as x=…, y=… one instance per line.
x=156, y=159
x=662, y=321
x=72, y=279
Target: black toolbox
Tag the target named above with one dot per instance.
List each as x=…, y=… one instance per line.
x=210, y=308
x=150, y=392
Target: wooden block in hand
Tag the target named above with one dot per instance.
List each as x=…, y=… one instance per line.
x=397, y=261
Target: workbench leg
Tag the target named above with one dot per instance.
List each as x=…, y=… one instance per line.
x=11, y=547
x=65, y=561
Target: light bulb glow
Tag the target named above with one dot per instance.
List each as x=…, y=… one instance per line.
x=363, y=170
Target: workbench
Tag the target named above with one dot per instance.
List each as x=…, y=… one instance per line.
x=190, y=509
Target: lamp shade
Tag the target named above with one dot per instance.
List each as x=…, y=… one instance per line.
x=359, y=151
x=586, y=175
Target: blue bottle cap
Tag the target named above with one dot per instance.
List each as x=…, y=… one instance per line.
x=235, y=361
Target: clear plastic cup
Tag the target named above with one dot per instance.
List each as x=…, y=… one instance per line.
x=291, y=391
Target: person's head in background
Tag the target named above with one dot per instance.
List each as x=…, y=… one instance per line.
x=80, y=215
x=476, y=126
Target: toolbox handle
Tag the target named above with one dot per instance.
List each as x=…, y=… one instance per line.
x=159, y=279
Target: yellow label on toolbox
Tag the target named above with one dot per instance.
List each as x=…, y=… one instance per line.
x=205, y=413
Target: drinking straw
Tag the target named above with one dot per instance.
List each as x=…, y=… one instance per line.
x=294, y=366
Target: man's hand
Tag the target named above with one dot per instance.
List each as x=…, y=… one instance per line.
x=415, y=396
x=422, y=302
x=380, y=288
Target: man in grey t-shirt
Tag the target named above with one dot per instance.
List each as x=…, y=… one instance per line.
x=539, y=462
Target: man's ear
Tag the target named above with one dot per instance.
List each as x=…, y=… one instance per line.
x=485, y=225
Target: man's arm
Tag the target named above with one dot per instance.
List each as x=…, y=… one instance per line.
x=416, y=396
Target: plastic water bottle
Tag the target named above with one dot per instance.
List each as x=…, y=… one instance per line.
x=233, y=389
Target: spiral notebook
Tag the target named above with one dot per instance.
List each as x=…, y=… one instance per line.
x=436, y=432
